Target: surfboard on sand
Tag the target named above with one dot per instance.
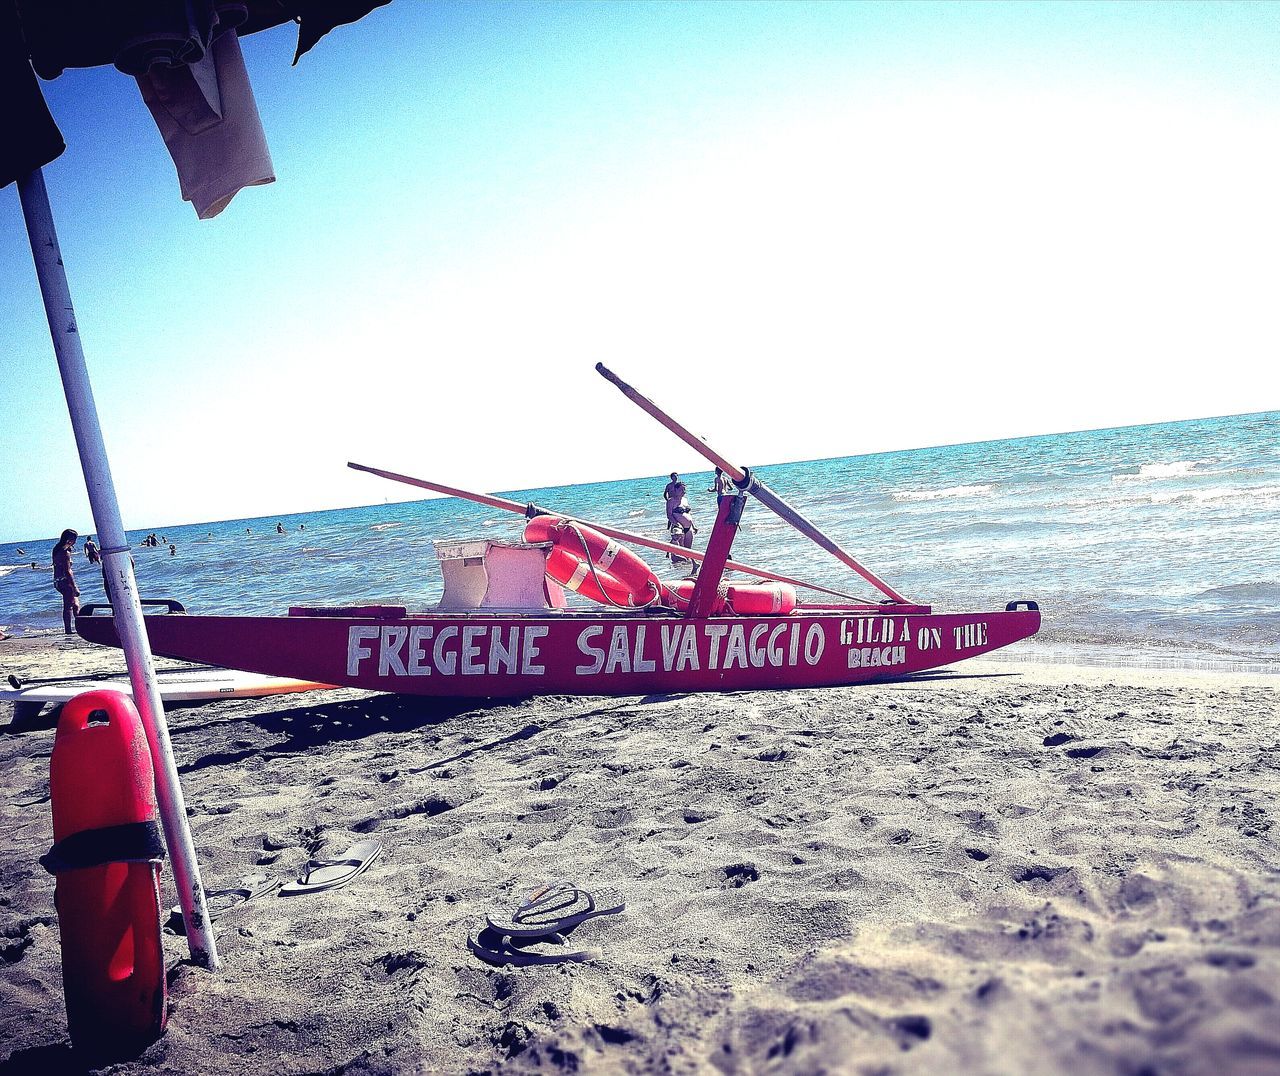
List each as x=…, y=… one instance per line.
x=178, y=685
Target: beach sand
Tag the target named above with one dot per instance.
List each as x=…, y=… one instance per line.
x=998, y=869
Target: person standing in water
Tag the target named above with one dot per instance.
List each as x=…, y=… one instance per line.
x=64, y=579
x=721, y=486
x=91, y=550
x=679, y=519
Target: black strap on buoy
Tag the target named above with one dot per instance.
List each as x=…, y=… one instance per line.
x=134, y=842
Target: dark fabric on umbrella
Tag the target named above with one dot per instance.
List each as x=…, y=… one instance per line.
x=29, y=139
x=135, y=35
x=317, y=17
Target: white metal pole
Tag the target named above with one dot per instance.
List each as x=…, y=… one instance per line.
x=117, y=565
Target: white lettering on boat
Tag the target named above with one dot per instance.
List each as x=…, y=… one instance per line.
x=445, y=663
x=529, y=653
x=681, y=647
x=357, y=653
x=874, y=631
x=929, y=639
x=504, y=656
x=418, y=635
x=735, y=653
x=470, y=649
x=969, y=636
x=389, y=650
x=872, y=657
x=419, y=650
x=640, y=663
x=619, y=659
x=814, y=642
x=593, y=652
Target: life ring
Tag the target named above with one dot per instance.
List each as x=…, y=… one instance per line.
x=585, y=561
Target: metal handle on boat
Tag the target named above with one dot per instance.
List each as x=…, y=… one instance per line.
x=170, y=606
x=1030, y=606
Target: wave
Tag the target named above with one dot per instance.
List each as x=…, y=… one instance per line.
x=1259, y=495
x=995, y=528
x=1265, y=591
x=951, y=492
x=637, y=512
x=1147, y=472
x=385, y=526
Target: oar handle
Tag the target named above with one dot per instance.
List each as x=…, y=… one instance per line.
x=751, y=484
x=649, y=407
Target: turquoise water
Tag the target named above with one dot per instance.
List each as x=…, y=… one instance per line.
x=1160, y=541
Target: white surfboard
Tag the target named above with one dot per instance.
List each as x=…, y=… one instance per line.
x=178, y=685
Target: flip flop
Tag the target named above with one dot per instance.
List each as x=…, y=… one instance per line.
x=322, y=874
x=501, y=950
x=556, y=908
x=218, y=902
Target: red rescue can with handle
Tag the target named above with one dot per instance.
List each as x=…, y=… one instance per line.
x=106, y=858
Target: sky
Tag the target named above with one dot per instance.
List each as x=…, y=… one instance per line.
x=805, y=230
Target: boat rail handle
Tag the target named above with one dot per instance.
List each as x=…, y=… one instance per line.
x=1030, y=606
x=170, y=606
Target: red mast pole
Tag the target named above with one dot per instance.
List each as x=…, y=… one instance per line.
x=707, y=588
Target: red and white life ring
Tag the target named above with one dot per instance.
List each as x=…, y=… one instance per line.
x=588, y=563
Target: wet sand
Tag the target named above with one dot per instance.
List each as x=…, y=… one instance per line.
x=996, y=869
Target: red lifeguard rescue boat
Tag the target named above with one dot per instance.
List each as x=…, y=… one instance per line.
x=504, y=627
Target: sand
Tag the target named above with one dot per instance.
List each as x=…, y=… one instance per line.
x=1003, y=869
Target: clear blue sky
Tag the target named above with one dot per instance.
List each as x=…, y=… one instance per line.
x=807, y=229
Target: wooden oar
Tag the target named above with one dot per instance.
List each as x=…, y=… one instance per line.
x=750, y=483
x=611, y=532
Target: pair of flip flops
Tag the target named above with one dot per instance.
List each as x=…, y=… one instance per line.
x=317, y=876
x=545, y=917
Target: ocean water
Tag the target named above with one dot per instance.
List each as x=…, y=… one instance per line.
x=1155, y=544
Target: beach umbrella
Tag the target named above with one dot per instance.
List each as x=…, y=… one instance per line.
x=186, y=58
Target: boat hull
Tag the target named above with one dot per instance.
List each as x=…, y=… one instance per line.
x=498, y=655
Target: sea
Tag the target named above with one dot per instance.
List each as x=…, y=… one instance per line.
x=1154, y=545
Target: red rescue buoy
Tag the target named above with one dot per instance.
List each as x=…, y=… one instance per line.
x=679, y=594
x=587, y=562
x=106, y=858
x=763, y=599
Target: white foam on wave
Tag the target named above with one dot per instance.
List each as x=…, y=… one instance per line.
x=949, y=493
x=1154, y=472
x=1260, y=496
x=385, y=526
x=636, y=512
